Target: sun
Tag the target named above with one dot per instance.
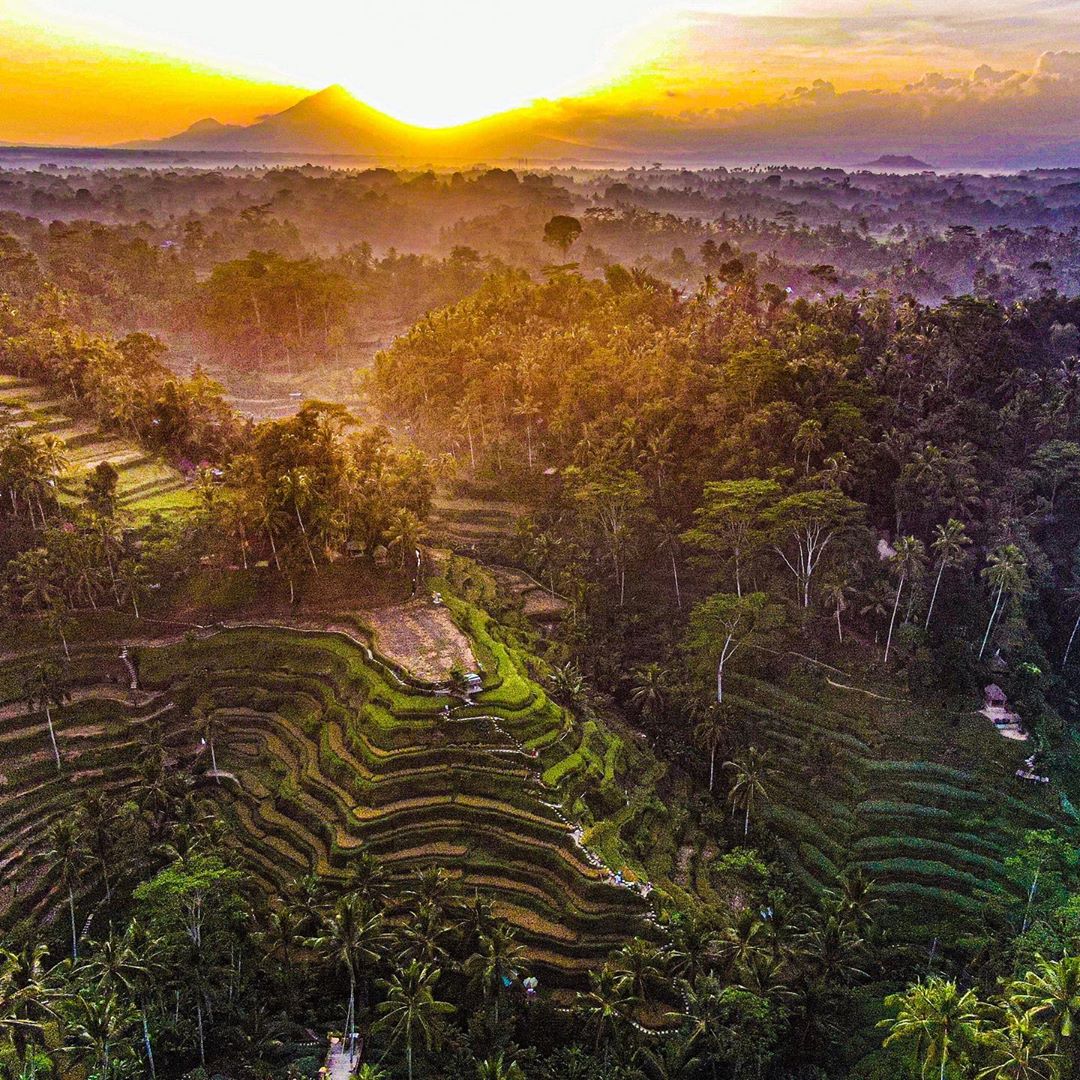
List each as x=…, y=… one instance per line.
x=428, y=62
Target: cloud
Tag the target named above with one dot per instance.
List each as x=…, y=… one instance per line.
x=991, y=116
x=1065, y=65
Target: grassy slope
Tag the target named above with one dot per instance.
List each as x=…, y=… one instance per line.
x=146, y=483
x=924, y=799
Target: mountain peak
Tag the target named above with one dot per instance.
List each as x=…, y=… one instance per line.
x=204, y=126
x=333, y=92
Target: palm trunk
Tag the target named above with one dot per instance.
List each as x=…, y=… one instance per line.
x=52, y=738
x=892, y=621
x=1068, y=648
x=993, y=616
x=147, y=1044
x=746, y=822
x=675, y=576
x=712, y=767
x=1030, y=898
x=307, y=542
x=273, y=548
x=839, y=628
x=933, y=595
x=74, y=934
x=112, y=571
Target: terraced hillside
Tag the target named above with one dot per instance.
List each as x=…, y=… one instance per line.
x=323, y=750
x=146, y=483
x=925, y=801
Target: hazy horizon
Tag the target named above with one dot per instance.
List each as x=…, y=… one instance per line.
x=790, y=80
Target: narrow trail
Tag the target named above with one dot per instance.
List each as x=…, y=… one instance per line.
x=341, y=1061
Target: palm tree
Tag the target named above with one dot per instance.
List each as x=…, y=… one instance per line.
x=132, y=583
x=750, y=773
x=943, y=1020
x=832, y=948
x=810, y=438
x=498, y=1068
x=367, y=878
x=1018, y=1051
x=67, y=856
x=707, y=1015
x=543, y=554
x=856, y=898
x=352, y=938
x=101, y=1023
x=411, y=1009
x=280, y=932
x=46, y=688
x=948, y=546
x=477, y=919
x=693, y=949
x=744, y=939
x=404, y=532
x=1006, y=568
x=25, y=1000
x=99, y=821
x=129, y=965
x=495, y=964
x=606, y=1007
x=637, y=965
x=427, y=936
x=295, y=488
x=34, y=580
x=838, y=470
x=271, y=518
x=648, y=691
x=907, y=562
x=1050, y=996
x=710, y=733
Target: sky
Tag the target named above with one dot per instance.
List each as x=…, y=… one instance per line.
x=629, y=70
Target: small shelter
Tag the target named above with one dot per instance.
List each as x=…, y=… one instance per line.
x=996, y=709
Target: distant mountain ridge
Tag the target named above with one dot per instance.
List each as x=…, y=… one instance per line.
x=599, y=133
x=896, y=161
x=333, y=122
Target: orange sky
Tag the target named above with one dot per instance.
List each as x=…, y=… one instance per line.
x=62, y=92
x=79, y=74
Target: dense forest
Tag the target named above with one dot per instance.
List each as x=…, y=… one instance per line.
x=789, y=462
